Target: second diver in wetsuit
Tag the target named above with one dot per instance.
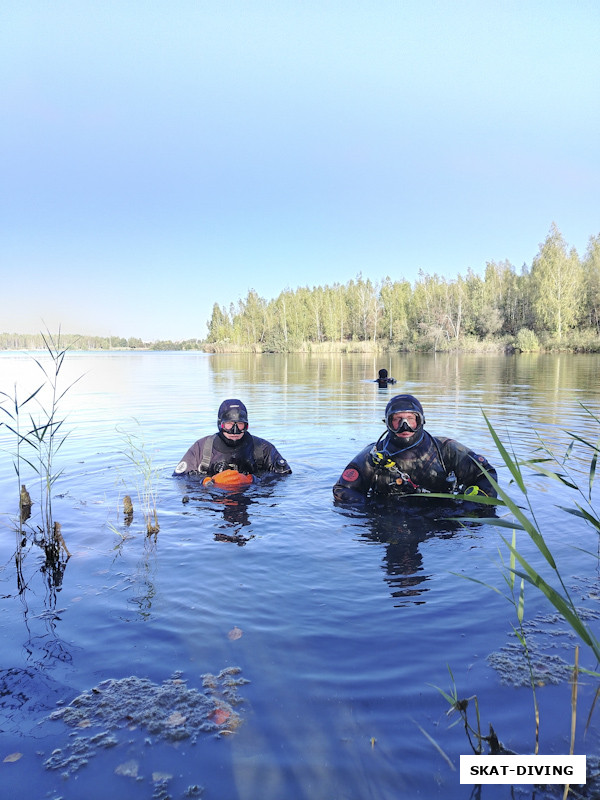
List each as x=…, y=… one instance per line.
x=408, y=460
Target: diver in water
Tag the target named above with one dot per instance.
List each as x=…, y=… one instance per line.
x=232, y=449
x=383, y=381
x=408, y=460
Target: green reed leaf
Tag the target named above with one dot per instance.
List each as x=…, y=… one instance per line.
x=582, y=514
x=557, y=476
x=512, y=465
x=562, y=605
x=593, y=471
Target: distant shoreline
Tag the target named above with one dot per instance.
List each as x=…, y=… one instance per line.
x=576, y=342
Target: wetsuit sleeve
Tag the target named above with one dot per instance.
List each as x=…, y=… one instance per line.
x=355, y=481
x=272, y=460
x=467, y=466
x=191, y=461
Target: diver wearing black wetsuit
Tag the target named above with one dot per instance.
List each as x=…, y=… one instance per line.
x=408, y=460
x=232, y=447
x=383, y=381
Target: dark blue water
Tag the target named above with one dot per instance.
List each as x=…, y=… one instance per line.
x=343, y=623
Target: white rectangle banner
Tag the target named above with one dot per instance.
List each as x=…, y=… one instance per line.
x=523, y=769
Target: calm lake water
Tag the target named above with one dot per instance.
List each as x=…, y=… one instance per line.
x=341, y=622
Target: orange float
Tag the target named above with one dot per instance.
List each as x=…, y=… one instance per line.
x=229, y=479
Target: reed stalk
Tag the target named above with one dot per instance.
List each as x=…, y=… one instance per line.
x=557, y=468
x=40, y=434
x=524, y=519
x=145, y=478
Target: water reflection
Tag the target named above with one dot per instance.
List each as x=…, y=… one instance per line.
x=143, y=580
x=402, y=532
x=25, y=694
x=233, y=505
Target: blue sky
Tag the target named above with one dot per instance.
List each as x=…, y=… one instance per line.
x=157, y=157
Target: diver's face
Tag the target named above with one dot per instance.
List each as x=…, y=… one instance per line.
x=233, y=431
x=402, y=419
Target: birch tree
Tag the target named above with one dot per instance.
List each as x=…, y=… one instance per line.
x=557, y=283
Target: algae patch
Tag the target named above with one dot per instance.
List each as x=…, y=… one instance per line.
x=544, y=634
x=170, y=711
x=513, y=667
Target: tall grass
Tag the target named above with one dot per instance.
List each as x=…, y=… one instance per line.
x=37, y=428
x=555, y=468
x=516, y=498
x=15, y=412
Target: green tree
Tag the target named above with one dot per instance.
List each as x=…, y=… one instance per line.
x=395, y=299
x=363, y=307
x=219, y=327
x=557, y=282
x=591, y=278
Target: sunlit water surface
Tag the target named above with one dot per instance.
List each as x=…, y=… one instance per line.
x=344, y=622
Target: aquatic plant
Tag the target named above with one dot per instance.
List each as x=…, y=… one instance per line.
x=145, y=477
x=40, y=434
x=474, y=734
x=14, y=413
x=524, y=518
x=561, y=469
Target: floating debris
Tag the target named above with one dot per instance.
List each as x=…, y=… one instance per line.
x=170, y=711
x=160, y=777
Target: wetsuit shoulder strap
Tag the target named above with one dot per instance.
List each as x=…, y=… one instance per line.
x=439, y=451
x=258, y=452
x=206, y=453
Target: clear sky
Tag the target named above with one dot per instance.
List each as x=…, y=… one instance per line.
x=158, y=157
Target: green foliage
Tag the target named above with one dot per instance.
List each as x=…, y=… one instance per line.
x=526, y=341
x=433, y=314
x=556, y=468
x=557, y=283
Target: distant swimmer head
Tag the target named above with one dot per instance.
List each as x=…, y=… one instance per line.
x=382, y=374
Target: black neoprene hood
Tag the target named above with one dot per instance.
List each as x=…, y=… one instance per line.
x=404, y=402
x=232, y=410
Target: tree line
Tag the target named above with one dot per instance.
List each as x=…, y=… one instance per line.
x=554, y=303
x=35, y=341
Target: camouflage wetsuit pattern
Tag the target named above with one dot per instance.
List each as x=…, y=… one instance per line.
x=435, y=464
x=250, y=455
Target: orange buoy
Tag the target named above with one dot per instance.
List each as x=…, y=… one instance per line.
x=229, y=479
